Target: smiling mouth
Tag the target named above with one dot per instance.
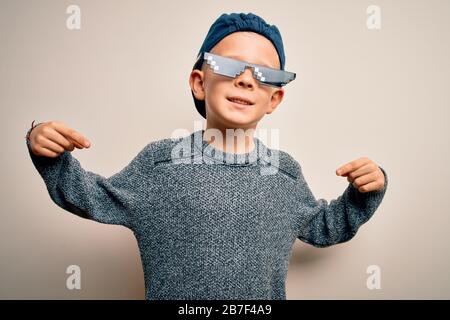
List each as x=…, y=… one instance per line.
x=239, y=101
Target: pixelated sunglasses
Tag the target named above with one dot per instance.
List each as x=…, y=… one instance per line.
x=232, y=68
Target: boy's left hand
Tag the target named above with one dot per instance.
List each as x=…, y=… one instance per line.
x=363, y=174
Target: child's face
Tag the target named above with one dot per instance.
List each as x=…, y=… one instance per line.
x=215, y=89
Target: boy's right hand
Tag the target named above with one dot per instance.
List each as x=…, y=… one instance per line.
x=52, y=138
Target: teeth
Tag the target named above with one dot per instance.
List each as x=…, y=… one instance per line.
x=240, y=101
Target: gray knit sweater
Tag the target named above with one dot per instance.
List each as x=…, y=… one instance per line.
x=209, y=224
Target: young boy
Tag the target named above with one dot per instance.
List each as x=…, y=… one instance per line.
x=214, y=219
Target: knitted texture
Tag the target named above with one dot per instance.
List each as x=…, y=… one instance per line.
x=208, y=227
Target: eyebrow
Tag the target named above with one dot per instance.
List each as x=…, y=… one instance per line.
x=261, y=64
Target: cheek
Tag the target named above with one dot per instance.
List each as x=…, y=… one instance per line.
x=264, y=97
x=215, y=91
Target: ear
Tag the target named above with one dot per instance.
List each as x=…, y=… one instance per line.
x=196, y=83
x=275, y=100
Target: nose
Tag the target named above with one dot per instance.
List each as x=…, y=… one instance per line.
x=245, y=79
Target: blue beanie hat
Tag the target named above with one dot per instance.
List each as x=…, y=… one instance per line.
x=234, y=22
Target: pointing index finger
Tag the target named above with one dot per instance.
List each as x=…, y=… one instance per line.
x=351, y=166
x=72, y=135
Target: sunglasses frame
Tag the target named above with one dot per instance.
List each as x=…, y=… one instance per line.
x=258, y=70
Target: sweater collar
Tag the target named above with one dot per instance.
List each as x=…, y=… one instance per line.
x=212, y=154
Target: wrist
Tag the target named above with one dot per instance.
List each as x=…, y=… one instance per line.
x=27, y=137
